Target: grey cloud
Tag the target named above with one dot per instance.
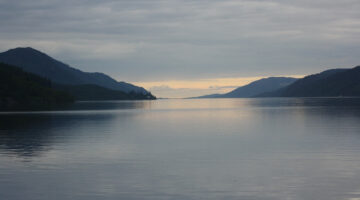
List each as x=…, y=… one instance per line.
x=137, y=40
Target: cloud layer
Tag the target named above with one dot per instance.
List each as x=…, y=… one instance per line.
x=158, y=40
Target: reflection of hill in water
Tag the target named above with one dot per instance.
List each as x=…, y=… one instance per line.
x=109, y=105
x=30, y=134
x=322, y=108
x=303, y=102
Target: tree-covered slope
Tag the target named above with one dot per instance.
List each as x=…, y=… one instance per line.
x=96, y=93
x=330, y=83
x=36, y=62
x=23, y=90
x=255, y=88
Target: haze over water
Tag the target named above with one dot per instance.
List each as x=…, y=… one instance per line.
x=263, y=149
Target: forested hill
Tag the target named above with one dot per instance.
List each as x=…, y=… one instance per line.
x=21, y=90
x=330, y=83
x=255, y=88
x=39, y=63
x=90, y=92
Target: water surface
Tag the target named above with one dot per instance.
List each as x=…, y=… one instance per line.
x=251, y=149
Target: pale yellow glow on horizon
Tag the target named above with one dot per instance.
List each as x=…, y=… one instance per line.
x=191, y=88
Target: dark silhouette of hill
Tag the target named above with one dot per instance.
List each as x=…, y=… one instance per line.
x=330, y=83
x=22, y=90
x=97, y=93
x=255, y=88
x=36, y=62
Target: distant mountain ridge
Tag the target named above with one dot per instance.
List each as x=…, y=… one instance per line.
x=255, y=88
x=36, y=62
x=330, y=83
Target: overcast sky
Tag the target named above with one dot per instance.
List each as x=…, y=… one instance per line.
x=162, y=41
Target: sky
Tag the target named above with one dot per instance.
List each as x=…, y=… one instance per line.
x=181, y=48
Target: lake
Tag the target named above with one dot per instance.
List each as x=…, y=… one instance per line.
x=193, y=149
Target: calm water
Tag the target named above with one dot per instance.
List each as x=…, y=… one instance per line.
x=251, y=149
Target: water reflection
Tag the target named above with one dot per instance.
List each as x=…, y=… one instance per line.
x=110, y=105
x=184, y=149
x=300, y=102
x=29, y=134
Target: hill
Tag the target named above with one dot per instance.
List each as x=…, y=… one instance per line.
x=330, y=83
x=97, y=93
x=36, y=62
x=22, y=90
x=255, y=88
